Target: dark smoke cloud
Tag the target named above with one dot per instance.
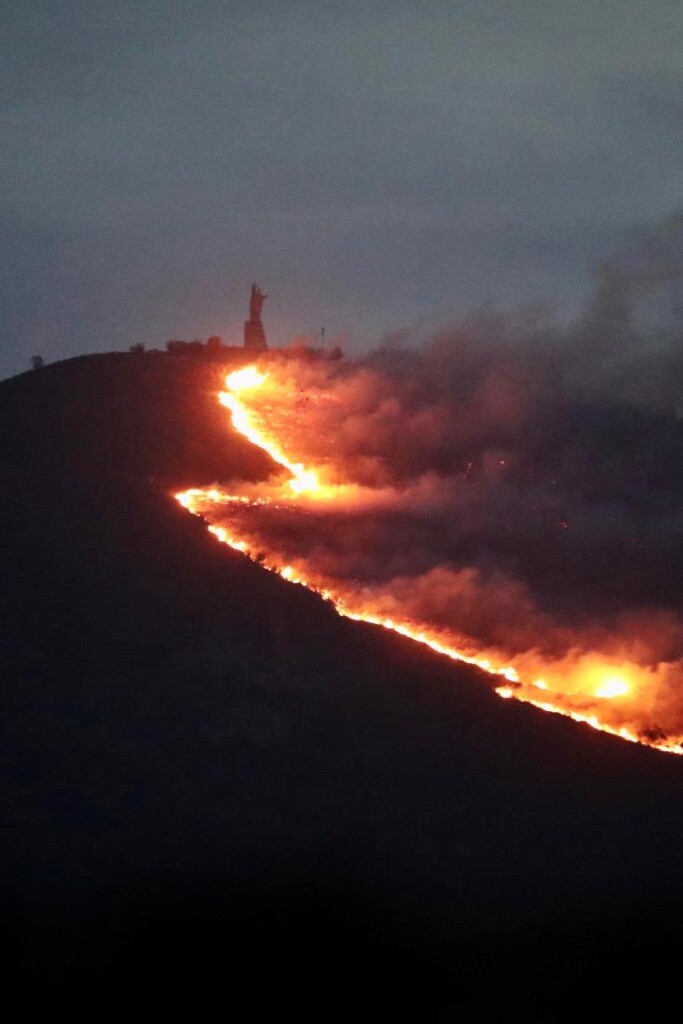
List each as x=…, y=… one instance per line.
x=626, y=345
x=566, y=435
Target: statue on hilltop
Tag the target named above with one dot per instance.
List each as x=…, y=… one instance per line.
x=254, y=334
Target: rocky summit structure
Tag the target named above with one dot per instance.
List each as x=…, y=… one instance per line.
x=254, y=334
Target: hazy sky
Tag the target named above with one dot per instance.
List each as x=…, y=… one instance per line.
x=367, y=163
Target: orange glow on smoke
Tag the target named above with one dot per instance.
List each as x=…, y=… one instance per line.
x=613, y=695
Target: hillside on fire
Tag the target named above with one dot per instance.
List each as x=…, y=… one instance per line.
x=215, y=783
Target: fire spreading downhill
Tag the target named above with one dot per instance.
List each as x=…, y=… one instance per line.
x=312, y=523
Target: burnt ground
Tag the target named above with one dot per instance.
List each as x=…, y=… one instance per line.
x=215, y=788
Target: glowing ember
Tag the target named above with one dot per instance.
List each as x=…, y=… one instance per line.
x=608, y=694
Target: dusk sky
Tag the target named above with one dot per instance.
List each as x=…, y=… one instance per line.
x=370, y=165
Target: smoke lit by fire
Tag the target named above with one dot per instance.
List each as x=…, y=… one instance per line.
x=472, y=548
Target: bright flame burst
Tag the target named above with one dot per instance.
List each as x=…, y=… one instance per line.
x=581, y=687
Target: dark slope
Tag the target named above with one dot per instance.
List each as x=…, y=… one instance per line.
x=213, y=783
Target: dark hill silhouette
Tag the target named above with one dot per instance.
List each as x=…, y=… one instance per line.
x=214, y=786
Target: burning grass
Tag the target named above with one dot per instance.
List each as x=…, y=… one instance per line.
x=384, y=537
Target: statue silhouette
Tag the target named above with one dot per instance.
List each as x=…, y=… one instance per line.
x=254, y=334
x=256, y=303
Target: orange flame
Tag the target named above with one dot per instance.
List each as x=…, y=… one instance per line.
x=587, y=687
x=304, y=481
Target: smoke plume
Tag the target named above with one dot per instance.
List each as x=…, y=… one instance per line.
x=511, y=484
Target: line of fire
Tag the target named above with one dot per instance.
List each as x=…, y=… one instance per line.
x=286, y=407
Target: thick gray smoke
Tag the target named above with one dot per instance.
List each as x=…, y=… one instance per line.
x=562, y=444
x=627, y=345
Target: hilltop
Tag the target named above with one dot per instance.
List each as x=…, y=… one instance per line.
x=210, y=778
